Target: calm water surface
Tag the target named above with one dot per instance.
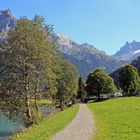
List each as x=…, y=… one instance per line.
x=8, y=127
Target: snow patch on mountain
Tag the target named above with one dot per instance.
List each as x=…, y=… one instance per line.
x=64, y=40
x=136, y=52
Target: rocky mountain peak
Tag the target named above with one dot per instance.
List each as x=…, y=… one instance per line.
x=87, y=45
x=7, y=20
x=129, y=51
x=64, y=40
x=63, y=36
x=5, y=14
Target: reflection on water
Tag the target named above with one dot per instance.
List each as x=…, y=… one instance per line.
x=47, y=109
x=8, y=127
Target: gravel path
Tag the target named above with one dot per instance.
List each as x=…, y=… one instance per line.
x=81, y=128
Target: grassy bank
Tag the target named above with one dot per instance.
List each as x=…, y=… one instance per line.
x=44, y=102
x=49, y=126
x=117, y=119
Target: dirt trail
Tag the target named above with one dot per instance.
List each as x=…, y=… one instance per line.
x=81, y=128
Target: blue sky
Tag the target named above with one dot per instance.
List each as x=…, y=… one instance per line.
x=107, y=24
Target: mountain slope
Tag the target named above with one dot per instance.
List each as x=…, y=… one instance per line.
x=7, y=21
x=115, y=74
x=129, y=51
x=136, y=63
x=86, y=57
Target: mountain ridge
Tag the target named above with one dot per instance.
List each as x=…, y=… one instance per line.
x=85, y=56
x=7, y=21
x=129, y=51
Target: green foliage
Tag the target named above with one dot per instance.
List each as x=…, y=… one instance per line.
x=99, y=82
x=48, y=127
x=66, y=83
x=81, y=89
x=129, y=80
x=28, y=58
x=117, y=119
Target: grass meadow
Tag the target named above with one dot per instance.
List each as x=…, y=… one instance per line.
x=117, y=119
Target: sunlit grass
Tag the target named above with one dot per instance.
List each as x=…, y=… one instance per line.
x=117, y=119
x=44, y=102
x=48, y=127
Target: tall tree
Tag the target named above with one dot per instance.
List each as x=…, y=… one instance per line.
x=29, y=55
x=67, y=83
x=99, y=82
x=81, y=89
x=129, y=80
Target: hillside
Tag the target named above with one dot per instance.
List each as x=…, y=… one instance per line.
x=7, y=21
x=136, y=63
x=115, y=74
x=85, y=56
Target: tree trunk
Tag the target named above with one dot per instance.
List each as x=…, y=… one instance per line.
x=27, y=103
x=35, y=101
x=99, y=93
x=28, y=110
x=61, y=104
x=99, y=97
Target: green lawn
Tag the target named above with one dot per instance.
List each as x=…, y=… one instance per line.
x=44, y=102
x=49, y=126
x=117, y=119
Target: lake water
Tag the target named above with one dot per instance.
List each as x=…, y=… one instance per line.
x=8, y=127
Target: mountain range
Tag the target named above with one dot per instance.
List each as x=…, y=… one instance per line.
x=85, y=56
x=128, y=52
x=7, y=21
